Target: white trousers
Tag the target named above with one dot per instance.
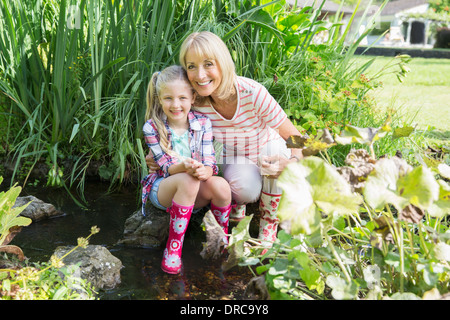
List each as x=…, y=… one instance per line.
x=245, y=177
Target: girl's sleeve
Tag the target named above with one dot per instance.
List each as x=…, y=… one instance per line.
x=163, y=159
x=208, y=153
x=268, y=108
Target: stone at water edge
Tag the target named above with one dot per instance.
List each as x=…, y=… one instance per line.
x=149, y=231
x=96, y=265
x=37, y=209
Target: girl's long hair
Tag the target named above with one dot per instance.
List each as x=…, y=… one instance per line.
x=154, y=108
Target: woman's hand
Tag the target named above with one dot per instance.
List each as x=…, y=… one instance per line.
x=272, y=166
x=151, y=164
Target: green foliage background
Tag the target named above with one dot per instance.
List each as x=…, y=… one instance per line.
x=73, y=75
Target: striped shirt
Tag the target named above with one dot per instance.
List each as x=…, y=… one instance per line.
x=254, y=123
x=200, y=143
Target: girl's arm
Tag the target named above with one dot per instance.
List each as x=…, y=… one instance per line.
x=161, y=159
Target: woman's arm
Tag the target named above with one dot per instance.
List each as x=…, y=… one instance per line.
x=274, y=165
x=287, y=129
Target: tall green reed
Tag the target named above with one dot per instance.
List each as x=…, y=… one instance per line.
x=75, y=73
x=79, y=88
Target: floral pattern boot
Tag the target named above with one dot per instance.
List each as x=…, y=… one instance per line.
x=237, y=212
x=179, y=220
x=222, y=215
x=268, y=223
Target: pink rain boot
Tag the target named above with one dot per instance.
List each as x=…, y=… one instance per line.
x=268, y=223
x=222, y=215
x=179, y=220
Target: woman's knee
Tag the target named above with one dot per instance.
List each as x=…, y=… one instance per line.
x=245, y=183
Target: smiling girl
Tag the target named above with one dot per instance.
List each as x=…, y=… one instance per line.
x=181, y=144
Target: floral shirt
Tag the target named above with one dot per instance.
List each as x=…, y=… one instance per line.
x=200, y=142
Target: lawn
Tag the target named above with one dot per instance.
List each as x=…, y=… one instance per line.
x=423, y=99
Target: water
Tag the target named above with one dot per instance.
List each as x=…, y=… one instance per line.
x=141, y=277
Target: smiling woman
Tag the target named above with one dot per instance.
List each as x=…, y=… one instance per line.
x=249, y=123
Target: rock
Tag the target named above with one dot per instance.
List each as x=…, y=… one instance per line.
x=149, y=231
x=37, y=209
x=152, y=230
x=257, y=289
x=97, y=265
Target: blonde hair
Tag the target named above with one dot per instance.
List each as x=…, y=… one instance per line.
x=154, y=109
x=207, y=44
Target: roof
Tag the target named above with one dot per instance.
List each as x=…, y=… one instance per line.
x=396, y=6
x=329, y=5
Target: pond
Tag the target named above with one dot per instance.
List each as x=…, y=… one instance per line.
x=141, y=276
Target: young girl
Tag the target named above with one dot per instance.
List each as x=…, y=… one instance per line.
x=181, y=143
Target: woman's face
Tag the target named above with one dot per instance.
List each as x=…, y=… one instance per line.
x=204, y=73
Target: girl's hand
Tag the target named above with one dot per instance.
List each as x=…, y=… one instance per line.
x=190, y=164
x=203, y=172
x=151, y=164
x=197, y=169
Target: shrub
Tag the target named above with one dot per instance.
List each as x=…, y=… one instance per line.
x=372, y=229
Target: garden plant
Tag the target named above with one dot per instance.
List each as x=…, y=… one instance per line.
x=372, y=229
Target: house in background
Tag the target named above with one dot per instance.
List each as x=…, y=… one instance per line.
x=405, y=30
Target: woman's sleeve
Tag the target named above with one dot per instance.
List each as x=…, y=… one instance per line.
x=163, y=159
x=268, y=108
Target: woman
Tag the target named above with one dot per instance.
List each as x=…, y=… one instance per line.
x=250, y=124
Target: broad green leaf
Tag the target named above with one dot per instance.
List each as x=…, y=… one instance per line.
x=310, y=185
x=442, y=251
x=444, y=170
x=9, y=216
x=441, y=207
x=352, y=134
x=402, y=132
x=342, y=290
x=389, y=183
x=404, y=296
x=419, y=187
x=241, y=231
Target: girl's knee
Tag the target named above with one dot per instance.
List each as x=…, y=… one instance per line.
x=218, y=187
x=188, y=183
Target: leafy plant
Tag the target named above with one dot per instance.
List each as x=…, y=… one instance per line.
x=10, y=221
x=370, y=230
x=47, y=281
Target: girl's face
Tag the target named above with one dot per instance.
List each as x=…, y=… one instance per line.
x=176, y=98
x=204, y=73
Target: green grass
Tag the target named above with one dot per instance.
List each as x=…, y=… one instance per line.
x=423, y=99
